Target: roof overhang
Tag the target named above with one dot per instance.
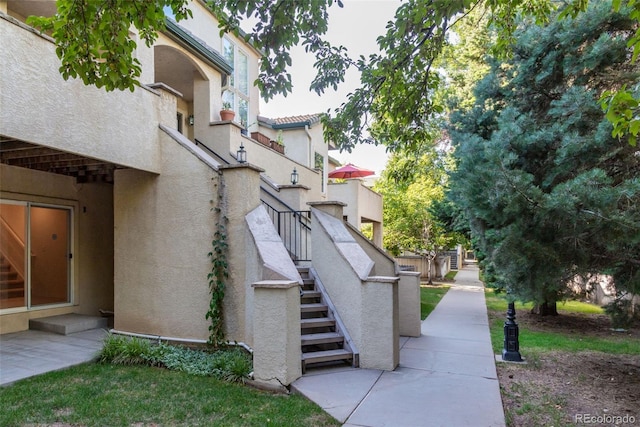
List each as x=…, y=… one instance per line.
x=196, y=47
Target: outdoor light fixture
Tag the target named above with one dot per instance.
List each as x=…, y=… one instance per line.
x=511, y=349
x=190, y=118
x=241, y=155
x=294, y=177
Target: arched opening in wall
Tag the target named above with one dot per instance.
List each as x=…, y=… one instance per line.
x=177, y=70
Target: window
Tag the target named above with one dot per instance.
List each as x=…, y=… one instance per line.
x=319, y=165
x=236, y=91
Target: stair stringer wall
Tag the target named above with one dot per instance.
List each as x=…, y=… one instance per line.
x=274, y=262
x=367, y=303
x=408, y=284
x=349, y=343
x=267, y=258
x=342, y=265
x=385, y=264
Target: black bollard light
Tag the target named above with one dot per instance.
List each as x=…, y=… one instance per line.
x=511, y=349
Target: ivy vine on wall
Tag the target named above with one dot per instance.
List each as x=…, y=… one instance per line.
x=218, y=275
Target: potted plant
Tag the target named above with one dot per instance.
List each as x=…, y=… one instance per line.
x=243, y=127
x=278, y=144
x=261, y=138
x=227, y=113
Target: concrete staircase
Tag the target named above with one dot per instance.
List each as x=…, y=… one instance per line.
x=11, y=285
x=324, y=338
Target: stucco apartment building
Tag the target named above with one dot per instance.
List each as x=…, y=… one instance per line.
x=110, y=201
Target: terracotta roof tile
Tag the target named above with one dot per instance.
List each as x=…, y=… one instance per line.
x=312, y=118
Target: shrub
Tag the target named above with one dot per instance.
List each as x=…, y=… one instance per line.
x=619, y=310
x=233, y=365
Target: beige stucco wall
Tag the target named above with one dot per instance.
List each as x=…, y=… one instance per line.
x=380, y=341
x=92, y=266
x=277, y=351
x=361, y=201
x=164, y=225
x=95, y=252
x=40, y=107
x=341, y=279
x=296, y=196
x=241, y=196
x=207, y=83
x=367, y=304
x=385, y=265
x=279, y=167
x=300, y=145
x=409, y=303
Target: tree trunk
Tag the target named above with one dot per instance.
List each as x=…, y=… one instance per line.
x=438, y=264
x=545, y=309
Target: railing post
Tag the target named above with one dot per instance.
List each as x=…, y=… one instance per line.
x=409, y=303
x=380, y=334
x=277, y=356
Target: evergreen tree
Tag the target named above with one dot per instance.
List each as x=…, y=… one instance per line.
x=549, y=193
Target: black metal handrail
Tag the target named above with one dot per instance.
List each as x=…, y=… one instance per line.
x=210, y=151
x=294, y=230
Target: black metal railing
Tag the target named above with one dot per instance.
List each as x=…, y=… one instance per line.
x=210, y=151
x=294, y=228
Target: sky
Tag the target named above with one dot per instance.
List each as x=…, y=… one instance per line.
x=355, y=26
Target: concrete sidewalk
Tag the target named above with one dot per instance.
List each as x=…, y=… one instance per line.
x=446, y=377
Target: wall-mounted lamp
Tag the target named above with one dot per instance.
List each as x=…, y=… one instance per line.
x=294, y=177
x=241, y=154
x=190, y=119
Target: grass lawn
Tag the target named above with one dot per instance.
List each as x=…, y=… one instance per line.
x=535, y=341
x=109, y=395
x=575, y=365
x=451, y=275
x=104, y=394
x=430, y=296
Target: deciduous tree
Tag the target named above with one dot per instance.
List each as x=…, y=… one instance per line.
x=94, y=44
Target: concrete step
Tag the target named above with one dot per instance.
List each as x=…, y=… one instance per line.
x=326, y=356
x=67, y=323
x=315, y=307
x=310, y=294
x=316, y=322
x=323, y=338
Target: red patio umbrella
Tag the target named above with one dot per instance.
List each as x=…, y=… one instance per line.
x=350, y=171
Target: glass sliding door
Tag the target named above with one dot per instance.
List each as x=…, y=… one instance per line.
x=13, y=262
x=50, y=255
x=35, y=255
